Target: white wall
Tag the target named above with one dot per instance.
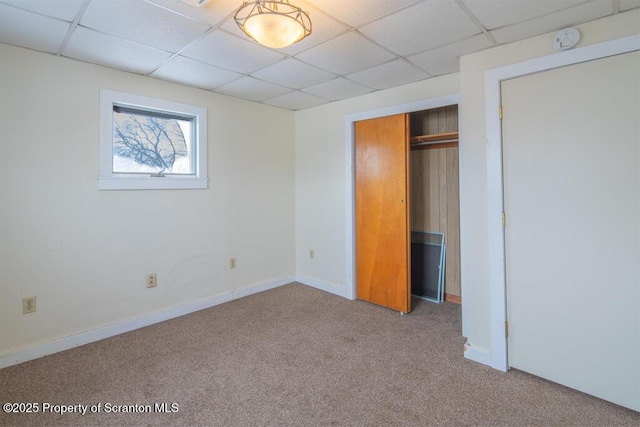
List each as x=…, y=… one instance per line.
x=473, y=172
x=85, y=253
x=321, y=180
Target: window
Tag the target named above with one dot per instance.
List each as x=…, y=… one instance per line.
x=148, y=143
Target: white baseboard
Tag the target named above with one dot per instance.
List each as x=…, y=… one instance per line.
x=477, y=354
x=93, y=335
x=322, y=285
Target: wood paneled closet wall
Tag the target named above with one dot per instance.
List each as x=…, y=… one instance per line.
x=434, y=184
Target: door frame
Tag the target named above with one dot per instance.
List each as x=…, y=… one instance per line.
x=495, y=189
x=349, y=127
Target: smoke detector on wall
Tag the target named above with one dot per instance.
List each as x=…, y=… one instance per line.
x=566, y=39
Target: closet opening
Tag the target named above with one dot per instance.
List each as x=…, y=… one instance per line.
x=434, y=208
x=405, y=204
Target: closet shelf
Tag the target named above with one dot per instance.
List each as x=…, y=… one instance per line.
x=435, y=138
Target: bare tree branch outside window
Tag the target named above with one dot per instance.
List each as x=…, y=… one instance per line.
x=148, y=144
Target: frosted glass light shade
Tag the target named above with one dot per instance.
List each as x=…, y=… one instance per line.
x=274, y=24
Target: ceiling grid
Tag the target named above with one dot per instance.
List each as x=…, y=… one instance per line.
x=356, y=47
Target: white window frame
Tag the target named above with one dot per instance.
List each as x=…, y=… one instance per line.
x=107, y=180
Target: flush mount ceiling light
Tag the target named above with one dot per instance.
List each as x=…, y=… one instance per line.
x=274, y=24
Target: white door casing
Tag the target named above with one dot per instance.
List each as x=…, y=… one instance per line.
x=497, y=356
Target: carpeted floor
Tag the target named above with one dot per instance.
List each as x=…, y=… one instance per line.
x=295, y=356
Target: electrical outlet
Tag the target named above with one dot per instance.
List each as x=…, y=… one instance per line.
x=312, y=254
x=28, y=305
x=232, y=263
x=152, y=280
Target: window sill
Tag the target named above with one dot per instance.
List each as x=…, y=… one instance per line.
x=148, y=183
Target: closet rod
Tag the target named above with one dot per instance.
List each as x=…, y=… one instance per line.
x=434, y=145
x=436, y=137
x=443, y=141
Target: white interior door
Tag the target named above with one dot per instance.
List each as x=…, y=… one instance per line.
x=572, y=199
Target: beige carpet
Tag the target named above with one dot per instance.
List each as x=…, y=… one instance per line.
x=296, y=356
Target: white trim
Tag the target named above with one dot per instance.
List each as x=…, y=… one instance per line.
x=322, y=285
x=97, y=334
x=350, y=203
x=149, y=183
x=349, y=123
x=495, y=196
x=477, y=354
x=109, y=181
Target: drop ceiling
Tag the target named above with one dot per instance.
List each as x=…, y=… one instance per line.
x=356, y=47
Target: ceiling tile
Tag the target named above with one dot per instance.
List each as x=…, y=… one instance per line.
x=346, y=54
x=322, y=28
x=16, y=28
x=143, y=23
x=232, y=53
x=99, y=48
x=422, y=27
x=66, y=10
x=359, y=12
x=252, y=89
x=294, y=74
x=296, y=101
x=394, y=73
x=337, y=89
x=498, y=13
x=213, y=13
x=194, y=73
x=628, y=4
x=556, y=21
x=446, y=59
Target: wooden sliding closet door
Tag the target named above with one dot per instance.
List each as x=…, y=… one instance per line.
x=382, y=222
